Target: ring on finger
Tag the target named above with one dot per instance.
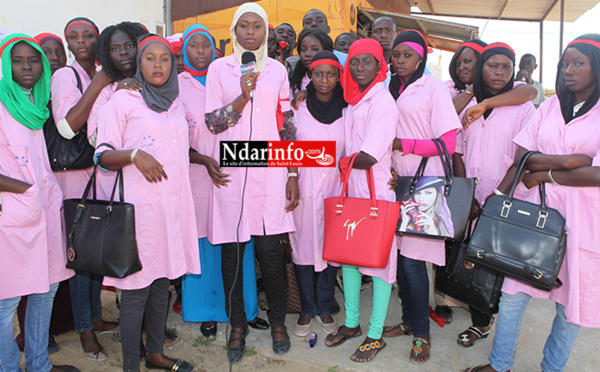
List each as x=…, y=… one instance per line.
x=248, y=83
x=125, y=84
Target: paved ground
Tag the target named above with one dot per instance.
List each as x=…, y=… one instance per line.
x=446, y=354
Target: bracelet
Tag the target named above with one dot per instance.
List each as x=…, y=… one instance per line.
x=498, y=192
x=292, y=174
x=467, y=91
x=551, y=178
x=133, y=154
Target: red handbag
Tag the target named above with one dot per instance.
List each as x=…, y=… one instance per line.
x=359, y=232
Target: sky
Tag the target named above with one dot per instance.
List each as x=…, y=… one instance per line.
x=524, y=38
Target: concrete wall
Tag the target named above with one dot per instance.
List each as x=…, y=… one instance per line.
x=35, y=16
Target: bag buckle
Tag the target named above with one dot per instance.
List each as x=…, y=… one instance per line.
x=538, y=275
x=81, y=207
x=468, y=264
x=541, y=222
x=480, y=254
x=373, y=213
x=505, y=208
x=340, y=206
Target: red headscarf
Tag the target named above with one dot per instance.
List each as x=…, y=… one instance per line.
x=352, y=93
x=42, y=38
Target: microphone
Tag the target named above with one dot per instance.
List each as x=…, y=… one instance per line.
x=248, y=66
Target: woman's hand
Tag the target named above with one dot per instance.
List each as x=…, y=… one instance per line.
x=532, y=179
x=404, y=209
x=475, y=209
x=473, y=113
x=427, y=223
x=248, y=84
x=216, y=173
x=152, y=170
x=299, y=97
x=130, y=84
x=292, y=192
x=102, y=78
x=393, y=182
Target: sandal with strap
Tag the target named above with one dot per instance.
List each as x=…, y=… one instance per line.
x=282, y=346
x=397, y=330
x=236, y=354
x=419, y=344
x=368, y=345
x=466, y=340
x=330, y=337
x=180, y=365
x=481, y=368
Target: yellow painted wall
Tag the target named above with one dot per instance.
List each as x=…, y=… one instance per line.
x=341, y=16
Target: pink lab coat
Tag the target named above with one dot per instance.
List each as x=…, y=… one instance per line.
x=193, y=96
x=65, y=95
x=487, y=147
x=265, y=196
x=315, y=184
x=165, y=222
x=425, y=112
x=370, y=127
x=32, y=240
x=104, y=180
x=547, y=132
x=452, y=88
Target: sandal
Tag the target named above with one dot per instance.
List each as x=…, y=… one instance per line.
x=170, y=338
x=236, y=354
x=466, y=340
x=480, y=368
x=331, y=337
x=368, y=345
x=420, y=346
x=397, y=330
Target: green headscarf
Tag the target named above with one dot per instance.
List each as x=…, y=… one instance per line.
x=34, y=114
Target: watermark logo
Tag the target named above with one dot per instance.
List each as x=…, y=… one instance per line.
x=277, y=154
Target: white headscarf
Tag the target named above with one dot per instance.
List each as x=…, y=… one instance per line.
x=238, y=50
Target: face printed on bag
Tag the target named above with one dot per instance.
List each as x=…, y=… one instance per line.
x=426, y=198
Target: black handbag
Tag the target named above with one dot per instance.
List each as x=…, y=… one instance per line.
x=519, y=239
x=68, y=154
x=467, y=282
x=101, y=234
x=445, y=199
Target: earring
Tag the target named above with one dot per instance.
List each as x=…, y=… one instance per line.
x=70, y=54
x=418, y=63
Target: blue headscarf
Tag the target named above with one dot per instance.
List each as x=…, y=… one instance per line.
x=199, y=75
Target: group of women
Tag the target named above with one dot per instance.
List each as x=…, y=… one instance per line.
x=197, y=219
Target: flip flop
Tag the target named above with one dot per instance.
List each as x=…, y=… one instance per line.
x=344, y=338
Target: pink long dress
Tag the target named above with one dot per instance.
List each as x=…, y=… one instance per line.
x=370, y=127
x=315, y=184
x=32, y=240
x=265, y=196
x=426, y=112
x=547, y=132
x=165, y=222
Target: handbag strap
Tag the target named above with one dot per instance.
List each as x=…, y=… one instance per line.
x=118, y=178
x=446, y=164
x=520, y=169
x=370, y=183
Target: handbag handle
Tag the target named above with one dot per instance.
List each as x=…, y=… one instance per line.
x=370, y=183
x=520, y=169
x=446, y=163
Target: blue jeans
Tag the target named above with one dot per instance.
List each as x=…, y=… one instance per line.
x=85, y=300
x=558, y=345
x=323, y=283
x=37, y=324
x=414, y=293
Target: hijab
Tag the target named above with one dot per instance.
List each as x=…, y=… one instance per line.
x=326, y=112
x=43, y=37
x=189, y=32
x=352, y=93
x=477, y=46
x=479, y=88
x=158, y=99
x=262, y=52
x=588, y=44
x=34, y=114
x=176, y=42
x=416, y=41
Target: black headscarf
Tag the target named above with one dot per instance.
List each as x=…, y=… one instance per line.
x=396, y=83
x=158, y=99
x=479, y=88
x=588, y=44
x=477, y=46
x=326, y=112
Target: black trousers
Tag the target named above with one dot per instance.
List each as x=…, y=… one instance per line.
x=268, y=251
x=480, y=319
x=150, y=305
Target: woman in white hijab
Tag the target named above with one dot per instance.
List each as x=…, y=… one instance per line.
x=254, y=203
